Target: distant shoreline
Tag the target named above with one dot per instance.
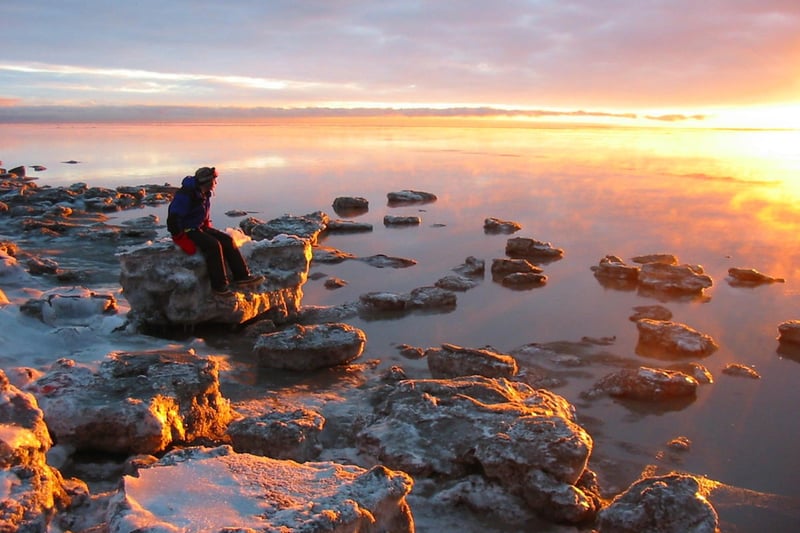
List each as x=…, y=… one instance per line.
x=474, y=116
x=382, y=121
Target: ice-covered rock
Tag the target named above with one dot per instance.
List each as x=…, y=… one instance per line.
x=32, y=491
x=789, y=331
x=647, y=384
x=503, y=266
x=523, y=280
x=471, y=267
x=741, y=370
x=301, y=347
x=387, y=261
x=350, y=205
x=450, y=361
x=165, y=286
x=675, y=503
x=408, y=196
x=217, y=489
x=531, y=248
x=72, y=306
x=12, y=273
x=306, y=227
x=281, y=433
x=457, y=282
x=347, y=226
x=419, y=298
x=410, y=220
x=655, y=312
x=749, y=277
x=665, y=339
x=497, y=225
x=522, y=439
x=328, y=255
x=613, y=267
x=699, y=372
x=663, y=258
x=136, y=402
x=682, y=279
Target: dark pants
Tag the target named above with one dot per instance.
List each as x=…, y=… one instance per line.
x=218, y=247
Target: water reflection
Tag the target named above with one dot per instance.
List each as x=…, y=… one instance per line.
x=789, y=350
x=720, y=199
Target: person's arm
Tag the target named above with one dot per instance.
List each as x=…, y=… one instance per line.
x=207, y=219
x=177, y=212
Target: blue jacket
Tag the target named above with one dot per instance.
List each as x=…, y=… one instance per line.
x=189, y=209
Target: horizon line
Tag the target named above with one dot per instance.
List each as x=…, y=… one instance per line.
x=185, y=114
x=142, y=112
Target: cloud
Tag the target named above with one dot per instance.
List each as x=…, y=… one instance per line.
x=676, y=117
x=621, y=54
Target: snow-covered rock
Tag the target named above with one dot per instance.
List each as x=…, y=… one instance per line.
x=523, y=280
x=217, y=489
x=419, y=298
x=613, y=267
x=503, y=266
x=457, y=282
x=471, y=267
x=408, y=196
x=647, y=384
x=12, y=273
x=675, y=503
x=522, y=439
x=166, y=286
x=393, y=220
x=665, y=339
x=789, y=331
x=681, y=279
x=749, y=277
x=531, y=248
x=741, y=370
x=665, y=258
x=136, y=402
x=32, y=492
x=301, y=347
x=350, y=204
x=497, y=225
x=452, y=361
x=280, y=434
x=307, y=227
x=74, y=306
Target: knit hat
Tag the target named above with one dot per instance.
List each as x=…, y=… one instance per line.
x=204, y=175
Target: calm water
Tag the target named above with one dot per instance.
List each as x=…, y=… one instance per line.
x=717, y=198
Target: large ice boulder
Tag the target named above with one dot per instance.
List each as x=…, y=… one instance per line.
x=136, y=402
x=524, y=440
x=217, y=489
x=32, y=491
x=674, y=503
x=165, y=286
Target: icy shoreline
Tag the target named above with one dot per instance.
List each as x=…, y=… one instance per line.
x=85, y=345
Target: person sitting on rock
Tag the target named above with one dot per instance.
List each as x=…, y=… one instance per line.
x=189, y=222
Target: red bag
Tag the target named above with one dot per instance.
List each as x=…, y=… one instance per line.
x=185, y=243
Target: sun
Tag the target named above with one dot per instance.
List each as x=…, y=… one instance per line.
x=772, y=116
